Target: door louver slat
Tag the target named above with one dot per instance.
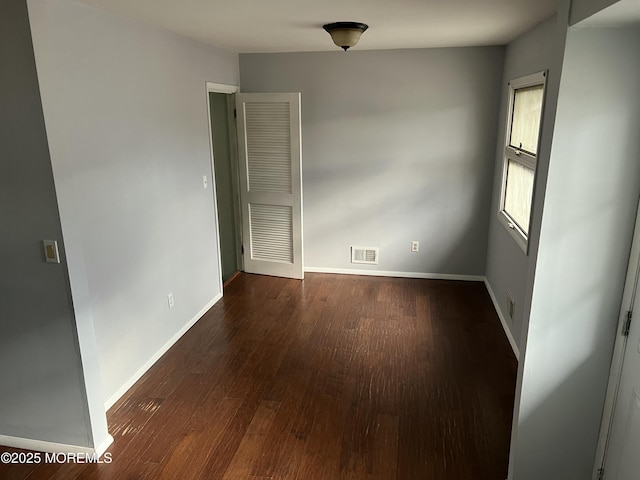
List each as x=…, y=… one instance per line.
x=269, y=147
x=271, y=237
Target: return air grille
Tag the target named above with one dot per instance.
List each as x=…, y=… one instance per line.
x=367, y=255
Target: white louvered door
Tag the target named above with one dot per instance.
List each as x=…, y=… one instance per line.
x=270, y=153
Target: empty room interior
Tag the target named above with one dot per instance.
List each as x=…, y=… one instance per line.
x=239, y=243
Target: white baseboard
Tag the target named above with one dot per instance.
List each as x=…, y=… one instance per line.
x=104, y=445
x=136, y=376
x=52, y=447
x=507, y=330
x=378, y=273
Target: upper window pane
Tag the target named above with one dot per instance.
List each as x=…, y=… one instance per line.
x=525, y=123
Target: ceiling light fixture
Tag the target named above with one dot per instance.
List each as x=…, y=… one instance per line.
x=345, y=34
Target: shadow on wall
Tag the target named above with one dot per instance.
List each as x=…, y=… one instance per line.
x=546, y=427
x=570, y=344
x=386, y=191
x=398, y=145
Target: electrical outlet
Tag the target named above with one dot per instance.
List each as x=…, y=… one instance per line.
x=205, y=181
x=415, y=246
x=170, y=299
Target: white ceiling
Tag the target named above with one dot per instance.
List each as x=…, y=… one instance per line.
x=252, y=26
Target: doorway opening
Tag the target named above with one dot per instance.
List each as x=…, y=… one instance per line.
x=257, y=173
x=221, y=104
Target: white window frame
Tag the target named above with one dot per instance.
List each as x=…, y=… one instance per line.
x=521, y=157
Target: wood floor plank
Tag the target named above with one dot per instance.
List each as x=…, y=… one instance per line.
x=249, y=450
x=333, y=377
x=383, y=456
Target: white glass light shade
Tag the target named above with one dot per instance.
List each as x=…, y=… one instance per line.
x=345, y=34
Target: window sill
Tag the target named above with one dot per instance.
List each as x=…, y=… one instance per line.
x=518, y=235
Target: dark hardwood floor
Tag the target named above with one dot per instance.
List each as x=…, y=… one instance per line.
x=335, y=377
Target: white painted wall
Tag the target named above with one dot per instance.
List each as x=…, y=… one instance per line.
x=586, y=227
x=44, y=398
x=398, y=145
x=125, y=107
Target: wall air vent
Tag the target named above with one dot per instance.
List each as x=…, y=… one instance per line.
x=367, y=255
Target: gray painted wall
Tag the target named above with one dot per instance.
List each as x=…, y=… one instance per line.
x=397, y=146
x=42, y=389
x=586, y=228
x=125, y=105
x=507, y=265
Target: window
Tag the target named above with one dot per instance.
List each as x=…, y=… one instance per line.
x=526, y=98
